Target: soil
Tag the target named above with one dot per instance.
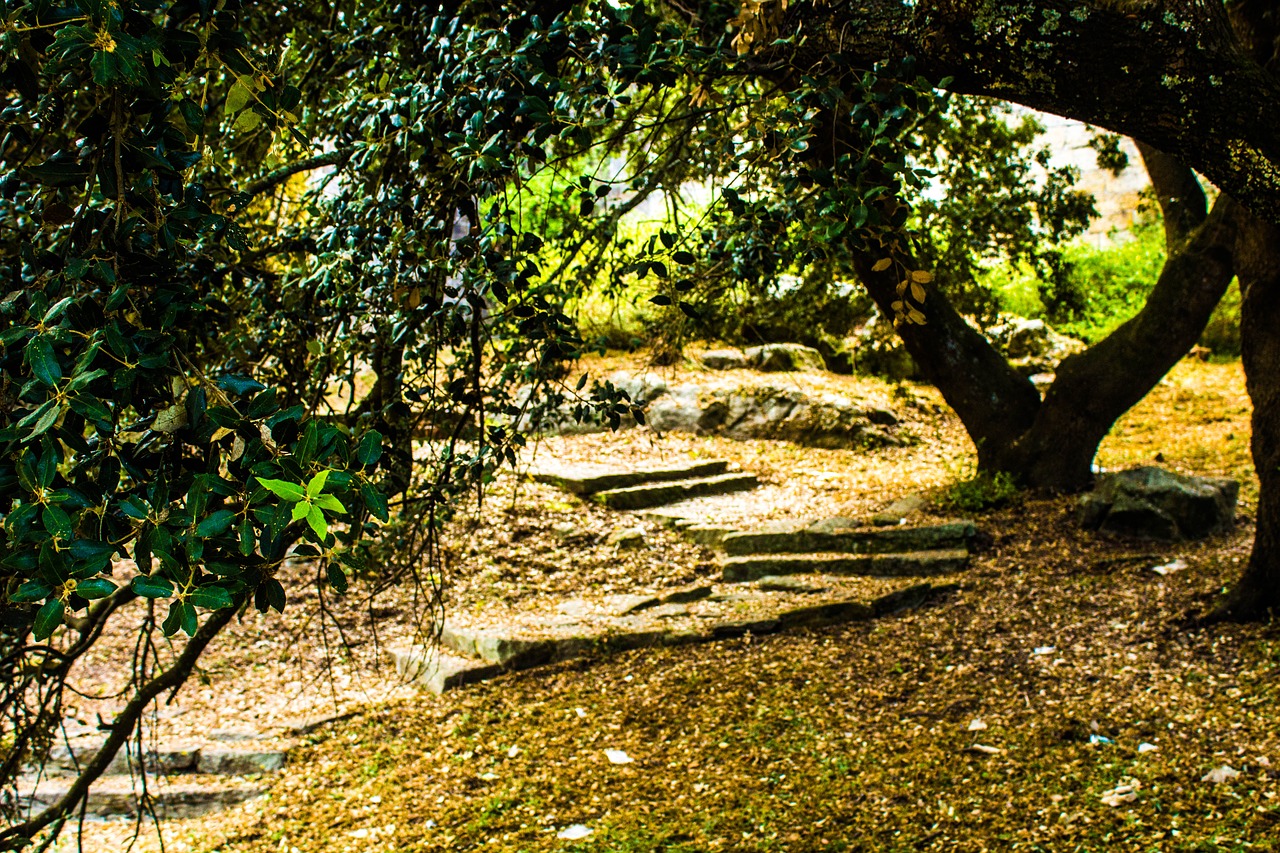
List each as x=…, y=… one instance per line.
x=1008, y=715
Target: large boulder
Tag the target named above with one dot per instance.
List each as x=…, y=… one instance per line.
x=723, y=359
x=783, y=358
x=879, y=351
x=1159, y=504
x=770, y=412
x=1031, y=346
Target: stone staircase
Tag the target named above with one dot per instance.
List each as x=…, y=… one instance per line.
x=777, y=578
x=650, y=487
x=183, y=780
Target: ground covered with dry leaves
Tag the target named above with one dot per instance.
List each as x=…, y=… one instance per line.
x=1061, y=699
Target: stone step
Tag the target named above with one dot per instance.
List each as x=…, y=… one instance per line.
x=173, y=760
x=439, y=671
x=869, y=540
x=504, y=650
x=916, y=564
x=588, y=481
x=657, y=494
x=172, y=797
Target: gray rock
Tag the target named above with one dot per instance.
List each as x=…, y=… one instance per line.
x=783, y=583
x=706, y=534
x=687, y=595
x=871, y=540
x=1159, y=504
x=657, y=494
x=782, y=358
x=772, y=412
x=900, y=509
x=589, y=481
x=831, y=525
x=240, y=762
x=723, y=359
x=627, y=538
x=920, y=564
x=621, y=605
x=667, y=611
x=1032, y=347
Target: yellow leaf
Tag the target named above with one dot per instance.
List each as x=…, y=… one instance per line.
x=881, y=265
x=922, y=276
x=915, y=316
x=917, y=292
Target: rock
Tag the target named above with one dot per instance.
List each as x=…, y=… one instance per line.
x=871, y=540
x=628, y=538
x=706, y=534
x=723, y=359
x=833, y=524
x=589, y=480
x=621, y=605
x=772, y=412
x=900, y=509
x=783, y=358
x=783, y=583
x=687, y=595
x=922, y=563
x=668, y=611
x=1159, y=504
x=658, y=494
x=1032, y=347
x=240, y=762
x=877, y=350
x=640, y=387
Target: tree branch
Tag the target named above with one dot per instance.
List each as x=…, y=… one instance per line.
x=17, y=836
x=284, y=173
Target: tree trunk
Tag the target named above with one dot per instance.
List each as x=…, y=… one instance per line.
x=1094, y=388
x=1257, y=595
x=1052, y=444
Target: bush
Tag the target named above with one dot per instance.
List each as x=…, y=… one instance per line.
x=982, y=491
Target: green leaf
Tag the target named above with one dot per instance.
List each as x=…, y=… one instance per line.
x=173, y=621
x=48, y=618
x=284, y=489
x=216, y=524
x=48, y=419
x=95, y=588
x=32, y=590
x=337, y=577
x=300, y=510
x=246, y=538
x=240, y=385
x=316, y=519
x=331, y=503
x=43, y=361
x=370, y=449
x=210, y=597
x=375, y=501
x=238, y=97
x=151, y=586
x=316, y=486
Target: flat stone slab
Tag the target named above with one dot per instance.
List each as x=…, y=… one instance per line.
x=657, y=494
x=438, y=671
x=693, y=615
x=583, y=480
x=868, y=540
x=917, y=564
x=117, y=796
x=706, y=534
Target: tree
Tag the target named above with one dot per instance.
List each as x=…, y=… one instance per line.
x=217, y=214
x=1078, y=60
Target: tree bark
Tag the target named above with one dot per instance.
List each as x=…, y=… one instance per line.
x=1257, y=595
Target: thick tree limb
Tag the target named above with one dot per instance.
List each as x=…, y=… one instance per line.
x=1170, y=74
x=279, y=176
x=1181, y=198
